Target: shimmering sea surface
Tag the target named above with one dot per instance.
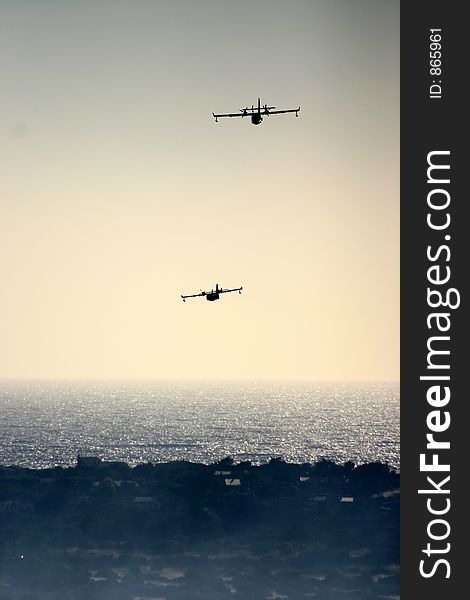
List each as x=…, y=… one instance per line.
x=45, y=423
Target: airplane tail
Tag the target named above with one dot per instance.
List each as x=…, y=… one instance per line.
x=259, y=105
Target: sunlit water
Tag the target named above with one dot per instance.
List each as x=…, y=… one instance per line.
x=47, y=423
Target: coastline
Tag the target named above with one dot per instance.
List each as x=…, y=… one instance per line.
x=184, y=530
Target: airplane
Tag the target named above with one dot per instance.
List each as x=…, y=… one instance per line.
x=213, y=294
x=256, y=113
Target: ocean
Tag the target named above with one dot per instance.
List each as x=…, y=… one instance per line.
x=47, y=423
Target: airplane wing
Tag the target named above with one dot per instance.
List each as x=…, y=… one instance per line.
x=239, y=114
x=193, y=296
x=222, y=291
x=280, y=112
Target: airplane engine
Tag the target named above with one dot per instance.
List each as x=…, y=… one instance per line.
x=256, y=119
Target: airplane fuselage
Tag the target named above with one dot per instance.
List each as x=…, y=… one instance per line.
x=211, y=296
x=256, y=119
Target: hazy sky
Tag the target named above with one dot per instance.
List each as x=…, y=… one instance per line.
x=119, y=192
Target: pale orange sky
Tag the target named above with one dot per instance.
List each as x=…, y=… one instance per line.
x=119, y=192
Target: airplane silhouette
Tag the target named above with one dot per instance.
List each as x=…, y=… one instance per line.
x=213, y=294
x=256, y=113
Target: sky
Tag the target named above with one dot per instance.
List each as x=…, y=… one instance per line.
x=119, y=192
